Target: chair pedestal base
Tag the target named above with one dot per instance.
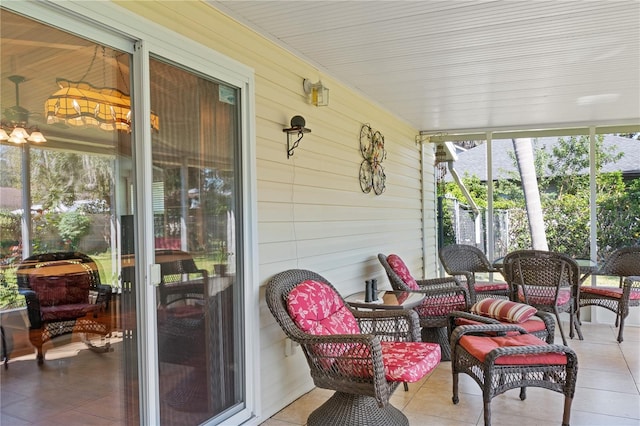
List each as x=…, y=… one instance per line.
x=348, y=409
x=438, y=335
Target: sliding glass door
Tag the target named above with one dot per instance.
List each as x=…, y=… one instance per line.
x=195, y=214
x=104, y=321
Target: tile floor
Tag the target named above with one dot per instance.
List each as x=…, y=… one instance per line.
x=607, y=391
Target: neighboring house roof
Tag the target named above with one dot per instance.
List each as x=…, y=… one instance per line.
x=474, y=160
x=10, y=198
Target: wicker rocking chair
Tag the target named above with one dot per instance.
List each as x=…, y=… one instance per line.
x=344, y=349
x=57, y=287
x=625, y=264
x=463, y=262
x=441, y=297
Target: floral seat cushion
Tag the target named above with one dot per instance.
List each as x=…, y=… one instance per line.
x=612, y=292
x=563, y=298
x=490, y=286
x=403, y=361
x=65, y=296
x=480, y=346
x=317, y=309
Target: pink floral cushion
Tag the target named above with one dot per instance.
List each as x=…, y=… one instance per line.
x=563, y=298
x=317, y=309
x=402, y=271
x=403, y=361
x=503, y=310
x=409, y=361
x=441, y=306
x=612, y=292
x=480, y=346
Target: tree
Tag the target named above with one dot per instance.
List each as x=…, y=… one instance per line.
x=533, y=205
x=563, y=181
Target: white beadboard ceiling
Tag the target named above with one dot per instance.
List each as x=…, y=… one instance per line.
x=462, y=65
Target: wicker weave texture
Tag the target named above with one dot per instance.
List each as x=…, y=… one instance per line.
x=463, y=262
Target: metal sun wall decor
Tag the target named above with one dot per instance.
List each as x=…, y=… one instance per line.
x=371, y=170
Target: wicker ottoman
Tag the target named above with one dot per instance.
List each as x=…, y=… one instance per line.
x=499, y=363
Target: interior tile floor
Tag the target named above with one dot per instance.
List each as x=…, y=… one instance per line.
x=607, y=392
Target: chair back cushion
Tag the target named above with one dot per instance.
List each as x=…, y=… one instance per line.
x=503, y=310
x=317, y=309
x=61, y=283
x=402, y=271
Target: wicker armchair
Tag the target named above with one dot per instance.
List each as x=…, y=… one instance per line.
x=547, y=281
x=344, y=349
x=442, y=296
x=625, y=264
x=501, y=363
x=58, y=289
x=182, y=280
x=463, y=262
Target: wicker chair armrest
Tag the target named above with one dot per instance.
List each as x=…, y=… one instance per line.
x=314, y=339
x=324, y=350
x=33, y=307
x=473, y=317
x=531, y=350
x=549, y=322
x=451, y=320
x=467, y=274
x=459, y=332
x=438, y=282
x=390, y=325
x=444, y=287
x=104, y=294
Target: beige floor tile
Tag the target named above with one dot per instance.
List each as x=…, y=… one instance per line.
x=607, y=403
x=437, y=402
x=583, y=418
x=603, y=380
x=275, y=422
x=298, y=411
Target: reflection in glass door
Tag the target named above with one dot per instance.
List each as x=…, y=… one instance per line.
x=67, y=299
x=195, y=208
